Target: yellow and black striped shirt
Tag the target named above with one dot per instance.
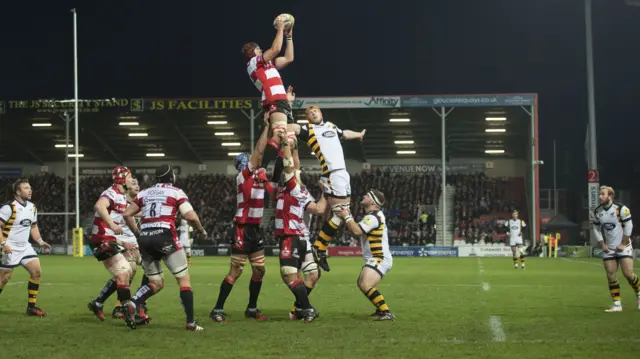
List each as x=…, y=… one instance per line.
x=375, y=242
x=18, y=218
x=324, y=140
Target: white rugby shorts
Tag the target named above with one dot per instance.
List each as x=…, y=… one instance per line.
x=614, y=254
x=515, y=241
x=338, y=184
x=185, y=241
x=381, y=267
x=19, y=256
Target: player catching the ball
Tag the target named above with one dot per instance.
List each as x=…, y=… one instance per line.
x=263, y=69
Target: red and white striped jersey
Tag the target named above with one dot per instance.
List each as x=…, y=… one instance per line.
x=159, y=205
x=250, y=197
x=117, y=206
x=292, y=203
x=267, y=79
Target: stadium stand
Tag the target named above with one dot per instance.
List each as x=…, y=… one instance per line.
x=481, y=204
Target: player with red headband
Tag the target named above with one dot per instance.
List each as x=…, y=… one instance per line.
x=263, y=69
x=107, y=244
x=324, y=139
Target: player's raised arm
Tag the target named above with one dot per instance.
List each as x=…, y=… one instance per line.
x=102, y=209
x=284, y=61
x=351, y=135
x=256, y=157
x=318, y=208
x=276, y=46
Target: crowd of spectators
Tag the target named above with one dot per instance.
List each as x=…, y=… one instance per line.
x=214, y=198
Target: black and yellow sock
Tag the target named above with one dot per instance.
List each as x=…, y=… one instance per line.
x=377, y=299
x=522, y=259
x=635, y=283
x=329, y=230
x=32, y=290
x=515, y=260
x=614, y=289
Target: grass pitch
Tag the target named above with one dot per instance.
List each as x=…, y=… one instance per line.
x=445, y=308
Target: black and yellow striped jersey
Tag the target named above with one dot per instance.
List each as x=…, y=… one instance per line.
x=18, y=218
x=375, y=241
x=324, y=140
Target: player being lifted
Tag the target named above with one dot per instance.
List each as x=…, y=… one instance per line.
x=514, y=232
x=18, y=221
x=296, y=260
x=323, y=138
x=107, y=245
x=158, y=239
x=612, y=226
x=374, y=238
x=263, y=69
x=251, y=182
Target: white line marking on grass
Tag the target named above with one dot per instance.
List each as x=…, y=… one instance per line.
x=496, y=329
x=579, y=261
x=485, y=286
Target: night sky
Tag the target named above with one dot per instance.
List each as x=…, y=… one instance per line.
x=192, y=49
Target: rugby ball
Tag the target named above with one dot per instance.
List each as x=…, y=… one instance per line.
x=289, y=20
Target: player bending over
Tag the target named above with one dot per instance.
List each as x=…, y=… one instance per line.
x=159, y=242
x=107, y=245
x=514, y=232
x=251, y=183
x=18, y=221
x=324, y=140
x=263, y=69
x=375, y=250
x=612, y=226
x=293, y=236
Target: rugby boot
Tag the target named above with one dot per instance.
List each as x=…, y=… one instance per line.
x=142, y=318
x=193, y=327
x=309, y=315
x=320, y=258
x=218, y=315
x=386, y=315
x=96, y=308
x=36, y=312
x=255, y=314
x=129, y=309
x=376, y=315
x=616, y=307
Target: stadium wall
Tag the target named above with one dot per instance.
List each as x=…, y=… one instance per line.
x=492, y=167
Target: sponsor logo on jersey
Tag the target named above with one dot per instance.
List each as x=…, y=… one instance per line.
x=25, y=222
x=328, y=134
x=609, y=226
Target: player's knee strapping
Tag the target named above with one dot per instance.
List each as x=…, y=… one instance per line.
x=635, y=283
x=286, y=271
x=377, y=299
x=614, y=290
x=329, y=230
x=257, y=261
x=309, y=268
x=238, y=262
x=120, y=266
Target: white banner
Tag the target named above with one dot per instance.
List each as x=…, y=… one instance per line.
x=484, y=251
x=347, y=102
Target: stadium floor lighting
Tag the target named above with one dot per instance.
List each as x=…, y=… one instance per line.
x=495, y=130
x=155, y=154
x=496, y=119
x=233, y=154
x=406, y=152
x=41, y=124
x=216, y=122
x=399, y=120
x=404, y=142
x=138, y=134
x=231, y=144
x=493, y=151
x=73, y=155
x=63, y=145
x=129, y=123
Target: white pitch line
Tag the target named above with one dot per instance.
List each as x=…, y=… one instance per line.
x=485, y=286
x=496, y=329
